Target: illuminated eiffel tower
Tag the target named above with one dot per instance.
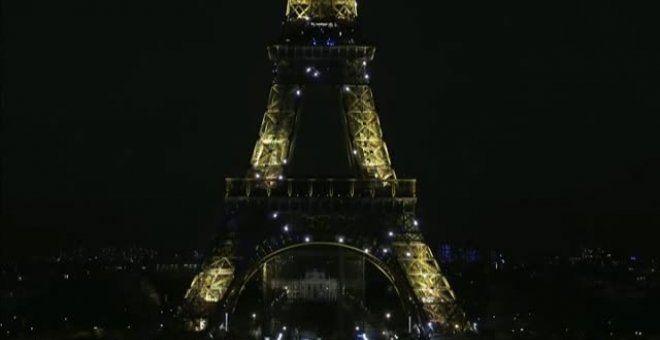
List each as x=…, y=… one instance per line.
x=371, y=214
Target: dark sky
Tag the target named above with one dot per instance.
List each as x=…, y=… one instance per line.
x=532, y=125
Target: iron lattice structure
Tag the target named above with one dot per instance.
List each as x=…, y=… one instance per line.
x=321, y=9
x=372, y=214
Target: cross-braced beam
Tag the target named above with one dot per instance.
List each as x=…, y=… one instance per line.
x=321, y=9
x=272, y=150
x=368, y=149
x=209, y=286
x=429, y=284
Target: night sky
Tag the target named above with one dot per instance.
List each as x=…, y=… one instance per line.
x=528, y=126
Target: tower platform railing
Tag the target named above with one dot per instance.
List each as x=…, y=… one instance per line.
x=320, y=188
x=279, y=52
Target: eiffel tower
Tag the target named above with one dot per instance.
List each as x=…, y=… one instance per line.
x=371, y=213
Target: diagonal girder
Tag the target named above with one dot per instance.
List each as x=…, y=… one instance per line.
x=209, y=286
x=274, y=146
x=365, y=137
x=429, y=284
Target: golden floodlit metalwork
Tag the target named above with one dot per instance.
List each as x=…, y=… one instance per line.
x=365, y=135
x=275, y=138
x=321, y=9
x=428, y=283
x=374, y=211
x=211, y=284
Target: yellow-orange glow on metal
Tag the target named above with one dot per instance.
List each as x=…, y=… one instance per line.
x=368, y=149
x=429, y=285
x=274, y=145
x=212, y=283
x=321, y=9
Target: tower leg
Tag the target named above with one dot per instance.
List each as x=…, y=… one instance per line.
x=430, y=286
x=275, y=144
x=367, y=148
x=209, y=287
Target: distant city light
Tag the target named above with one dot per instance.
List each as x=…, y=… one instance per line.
x=286, y=228
x=307, y=239
x=340, y=239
